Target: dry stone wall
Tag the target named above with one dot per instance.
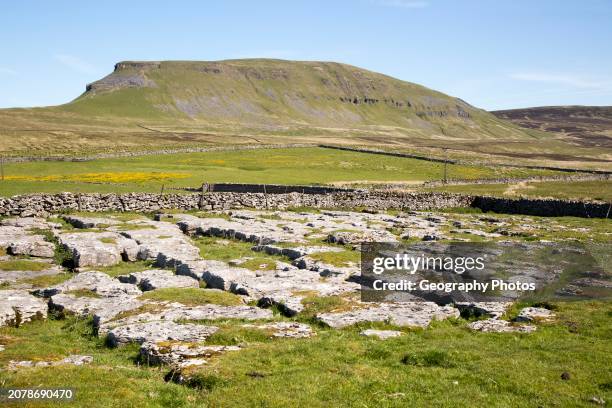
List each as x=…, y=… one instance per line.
x=43, y=204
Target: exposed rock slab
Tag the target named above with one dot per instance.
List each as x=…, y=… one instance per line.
x=499, y=326
x=104, y=308
x=162, y=242
x=74, y=359
x=494, y=310
x=31, y=245
x=179, y=312
x=381, y=334
x=415, y=314
x=18, y=307
x=99, y=248
x=97, y=282
x=79, y=221
x=156, y=331
x=158, y=279
x=216, y=274
x=534, y=314
x=293, y=330
x=180, y=354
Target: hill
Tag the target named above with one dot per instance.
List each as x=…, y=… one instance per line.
x=152, y=105
x=585, y=125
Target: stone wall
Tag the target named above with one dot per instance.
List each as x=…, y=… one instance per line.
x=43, y=204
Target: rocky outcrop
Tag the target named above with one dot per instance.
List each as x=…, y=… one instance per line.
x=74, y=360
x=18, y=307
x=158, y=279
x=381, y=334
x=99, y=248
x=499, y=326
x=157, y=331
x=414, y=314
x=97, y=282
x=180, y=354
x=534, y=314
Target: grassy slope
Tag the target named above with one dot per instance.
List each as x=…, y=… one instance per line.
x=270, y=101
x=284, y=166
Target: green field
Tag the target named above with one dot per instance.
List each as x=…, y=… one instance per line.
x=570, y=190
x=445, y=365
x=274, y=166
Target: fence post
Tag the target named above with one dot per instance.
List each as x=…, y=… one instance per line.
x=2, y=167
x=201, y=203
x=265, y=196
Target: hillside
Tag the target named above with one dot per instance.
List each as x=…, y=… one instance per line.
x=152, y=105
x=586, y=125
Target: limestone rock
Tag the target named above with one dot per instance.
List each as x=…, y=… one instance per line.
x=104, y=308
x=499, y=326
x=97, y=282
x=381, y=334
x=216, y=274
x=99, y=248
x=31, y=245
x=416, y=314
x=157, y=279
x=180, y=354
x=18, y=307
x=534, y=314
x=73, y=359
x=156, y=331
x=164, y=243
x=293, y=330
x=79, y=221
x=494, y=310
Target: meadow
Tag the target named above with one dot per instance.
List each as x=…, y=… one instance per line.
x=309, y=165
x=600, y=190
x=444, y=365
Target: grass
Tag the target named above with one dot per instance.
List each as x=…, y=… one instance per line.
x=259, y=263
x=23, y=265
x=281, y=166
x=124, y=268
x=113, y=380
x=337, y=258
x=444, y=365
x=193, y=296
x=566, y=190
x=44, y=281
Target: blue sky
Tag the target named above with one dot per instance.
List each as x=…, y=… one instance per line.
x=493, y=54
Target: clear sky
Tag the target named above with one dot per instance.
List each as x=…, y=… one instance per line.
x=494, y=54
